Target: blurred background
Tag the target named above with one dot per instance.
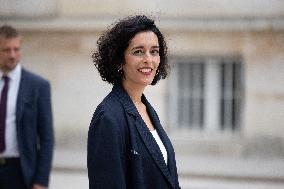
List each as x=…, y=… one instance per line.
x=222, y=105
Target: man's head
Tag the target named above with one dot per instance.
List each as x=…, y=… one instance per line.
x=10, y=48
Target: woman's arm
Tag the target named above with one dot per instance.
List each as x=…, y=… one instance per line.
x=104, y=159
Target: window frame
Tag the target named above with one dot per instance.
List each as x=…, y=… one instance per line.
x=211, y=123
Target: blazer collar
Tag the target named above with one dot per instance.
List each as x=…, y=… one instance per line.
x=125, y=99
x=144, y=132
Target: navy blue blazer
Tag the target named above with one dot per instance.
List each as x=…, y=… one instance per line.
x=34, y=128
x=122, y=153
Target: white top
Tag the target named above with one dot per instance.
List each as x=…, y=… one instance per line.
x=11, y=141
x=161, y=145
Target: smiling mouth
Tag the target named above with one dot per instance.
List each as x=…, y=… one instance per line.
x=145, y=70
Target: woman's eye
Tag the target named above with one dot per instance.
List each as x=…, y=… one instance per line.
x=138, y=52
x=155, y=52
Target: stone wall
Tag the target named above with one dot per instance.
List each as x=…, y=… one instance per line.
x=59, y=41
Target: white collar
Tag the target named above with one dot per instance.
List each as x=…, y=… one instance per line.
x=15, y=73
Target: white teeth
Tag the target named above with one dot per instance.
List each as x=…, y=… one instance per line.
x=145, y=70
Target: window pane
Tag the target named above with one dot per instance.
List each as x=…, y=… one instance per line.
x=230, y=94
x=191, y=95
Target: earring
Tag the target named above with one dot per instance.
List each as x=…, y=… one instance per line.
x=119, y=70
x=157, y=72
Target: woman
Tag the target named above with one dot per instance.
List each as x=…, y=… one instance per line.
x=127, y=146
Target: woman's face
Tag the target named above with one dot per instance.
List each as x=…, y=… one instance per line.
x=141, y=59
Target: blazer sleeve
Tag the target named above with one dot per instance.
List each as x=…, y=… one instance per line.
x=45, y=135
x=106, y=167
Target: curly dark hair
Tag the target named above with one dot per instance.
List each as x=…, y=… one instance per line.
x=109, y=56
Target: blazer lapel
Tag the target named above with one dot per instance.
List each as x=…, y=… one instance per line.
x=22, y=94
x=166, y=141
x=164, y=138
x=153, y=148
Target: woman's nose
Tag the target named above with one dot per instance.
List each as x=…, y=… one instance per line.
x=147, y=58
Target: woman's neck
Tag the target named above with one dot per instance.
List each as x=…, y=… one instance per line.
x=135, y=92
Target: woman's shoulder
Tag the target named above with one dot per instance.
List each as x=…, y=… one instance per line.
x=110, y=104
x=108, y=118
x=110, y=107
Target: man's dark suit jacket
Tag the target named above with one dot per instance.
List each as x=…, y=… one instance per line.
x=34, y=128
x=122, y=153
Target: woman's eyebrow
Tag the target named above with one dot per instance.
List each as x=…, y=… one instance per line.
x=137, y=47
x=141, y=47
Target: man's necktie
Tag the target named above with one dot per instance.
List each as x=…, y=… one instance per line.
x=3, y=108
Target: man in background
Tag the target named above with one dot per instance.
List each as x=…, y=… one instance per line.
x=26, y=129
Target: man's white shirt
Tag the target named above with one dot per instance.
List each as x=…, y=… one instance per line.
x=11, y=141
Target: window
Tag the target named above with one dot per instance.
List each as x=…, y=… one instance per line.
x=206, y=94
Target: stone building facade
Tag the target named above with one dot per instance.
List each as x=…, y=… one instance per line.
x=225, y=92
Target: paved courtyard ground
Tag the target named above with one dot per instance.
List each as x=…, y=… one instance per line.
x=196, y=172
x=61, y=180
